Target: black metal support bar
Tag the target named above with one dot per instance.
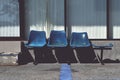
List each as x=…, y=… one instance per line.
x=109, y=35
x=22, y=18
x=65, y=14
x=101, y=53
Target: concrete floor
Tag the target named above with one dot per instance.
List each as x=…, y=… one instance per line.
x=52, y=71
x=96, y=71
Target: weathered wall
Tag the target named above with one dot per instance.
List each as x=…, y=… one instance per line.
x=10, y=46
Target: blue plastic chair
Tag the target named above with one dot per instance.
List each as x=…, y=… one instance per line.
x=57, y=39
x=37, y=39
x=79, y=40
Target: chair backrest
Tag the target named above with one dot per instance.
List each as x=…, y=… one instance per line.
x=57, y=39
x=79, y=39
x=37, y=38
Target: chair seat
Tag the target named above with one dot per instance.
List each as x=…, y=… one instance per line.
x=35, y=45
x=79, y=45
x=57, y=45
x=103, y=46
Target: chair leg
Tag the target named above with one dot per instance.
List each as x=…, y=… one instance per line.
x=75, y=53
x=99, y=59
x=35, y=62
x=53, y=52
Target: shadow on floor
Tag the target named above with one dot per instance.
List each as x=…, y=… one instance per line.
x=111, y=61
x=44, y=55
x=24, y=57
x=86, y=55
x=65, y=55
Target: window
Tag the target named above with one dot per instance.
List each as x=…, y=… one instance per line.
x=9, y=18
x=100, y=18
x=88, y=16
x=114, y=19
x=44, y=15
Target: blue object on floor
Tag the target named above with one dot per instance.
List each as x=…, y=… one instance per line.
x=57, y=39
x=65, y=73
x=79, y=40
x=36, y=39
